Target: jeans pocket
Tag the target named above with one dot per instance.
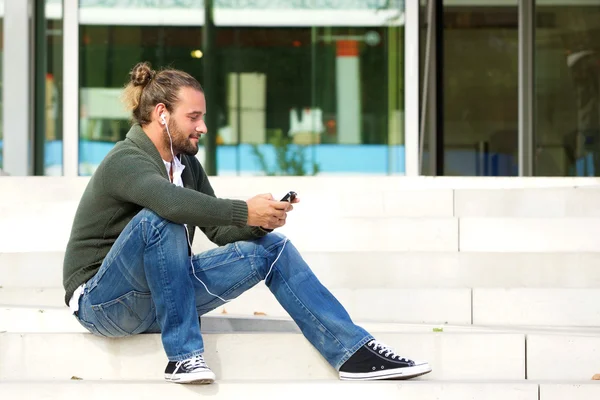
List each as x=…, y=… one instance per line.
x=130, y=314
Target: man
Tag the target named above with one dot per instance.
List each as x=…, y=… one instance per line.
x=128, y=267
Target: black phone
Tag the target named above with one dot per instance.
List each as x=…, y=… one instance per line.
x=290, y=196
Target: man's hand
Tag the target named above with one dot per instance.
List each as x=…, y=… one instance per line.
x=266, y=212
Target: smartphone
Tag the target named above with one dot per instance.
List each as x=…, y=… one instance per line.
x=290, y=196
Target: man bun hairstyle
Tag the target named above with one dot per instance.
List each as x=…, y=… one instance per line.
x=147, y=87
x=141, y=74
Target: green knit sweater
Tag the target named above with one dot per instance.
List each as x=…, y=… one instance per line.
x=131, y=177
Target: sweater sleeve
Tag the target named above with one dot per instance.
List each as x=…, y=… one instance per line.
x=132, y=177
x=222, y=235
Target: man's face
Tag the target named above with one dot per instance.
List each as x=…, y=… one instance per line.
x=186, y=123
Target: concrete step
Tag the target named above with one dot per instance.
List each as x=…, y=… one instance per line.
x=373, y=234
x=386, y=269
x=401, y=221
x=371, y=196
x=571, y=391
x=563, y=357
x=525, y=203
x=440, y=202
x=102, y=390
x=250, y=356
x=522, y=306
x=52, y=222
x=400, y=201
x=53, y=227
x=443, y=306
x=529, y=234
x=346, y=234
x=576, y=348
x=67, y=187
x=328, y=203
x=28, y=190
x=23, y=319
x=480, y=306
x=358, y=184
x=362, y=197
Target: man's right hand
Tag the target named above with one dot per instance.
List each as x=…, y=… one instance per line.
x=266, y=212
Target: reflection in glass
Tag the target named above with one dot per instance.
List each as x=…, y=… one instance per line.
x=294, y=100
x=567, y=89
x=480, y=86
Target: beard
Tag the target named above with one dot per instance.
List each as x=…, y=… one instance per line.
x=181, y=142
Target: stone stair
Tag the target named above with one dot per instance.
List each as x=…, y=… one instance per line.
x=494, y=281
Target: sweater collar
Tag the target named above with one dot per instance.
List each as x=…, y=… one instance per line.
x=137, y=135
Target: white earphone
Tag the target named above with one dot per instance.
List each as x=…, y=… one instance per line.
x=187, y=233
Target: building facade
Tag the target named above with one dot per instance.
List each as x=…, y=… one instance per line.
x=306, y=87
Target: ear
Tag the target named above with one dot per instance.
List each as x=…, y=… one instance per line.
x=160, y=113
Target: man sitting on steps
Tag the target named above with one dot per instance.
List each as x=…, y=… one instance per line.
x=129, y=268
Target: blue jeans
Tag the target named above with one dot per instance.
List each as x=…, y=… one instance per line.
x=147, y=284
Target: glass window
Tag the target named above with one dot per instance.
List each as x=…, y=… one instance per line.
x=567, y=88
x=293, y=98
x=312, y=100
x=480, y=87
x=48, y=87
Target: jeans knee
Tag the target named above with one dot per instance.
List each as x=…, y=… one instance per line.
x=263, y=250
x=272, y=239
x=156, y=229
x=150, y=217
x=147, y=214
x=273, y=248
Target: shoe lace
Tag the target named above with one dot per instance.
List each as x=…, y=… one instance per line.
x=389, y=352
x=192, y=364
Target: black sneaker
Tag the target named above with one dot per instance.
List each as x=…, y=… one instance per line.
x=377, y=361
x=192, y=370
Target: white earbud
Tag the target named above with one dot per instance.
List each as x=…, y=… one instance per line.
x=163, y=119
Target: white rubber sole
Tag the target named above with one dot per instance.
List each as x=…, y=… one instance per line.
x=198, y=378
x=398, y=373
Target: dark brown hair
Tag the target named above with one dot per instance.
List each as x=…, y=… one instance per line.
x=146, y=88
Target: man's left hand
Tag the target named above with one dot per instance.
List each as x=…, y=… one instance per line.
x=281, y=221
